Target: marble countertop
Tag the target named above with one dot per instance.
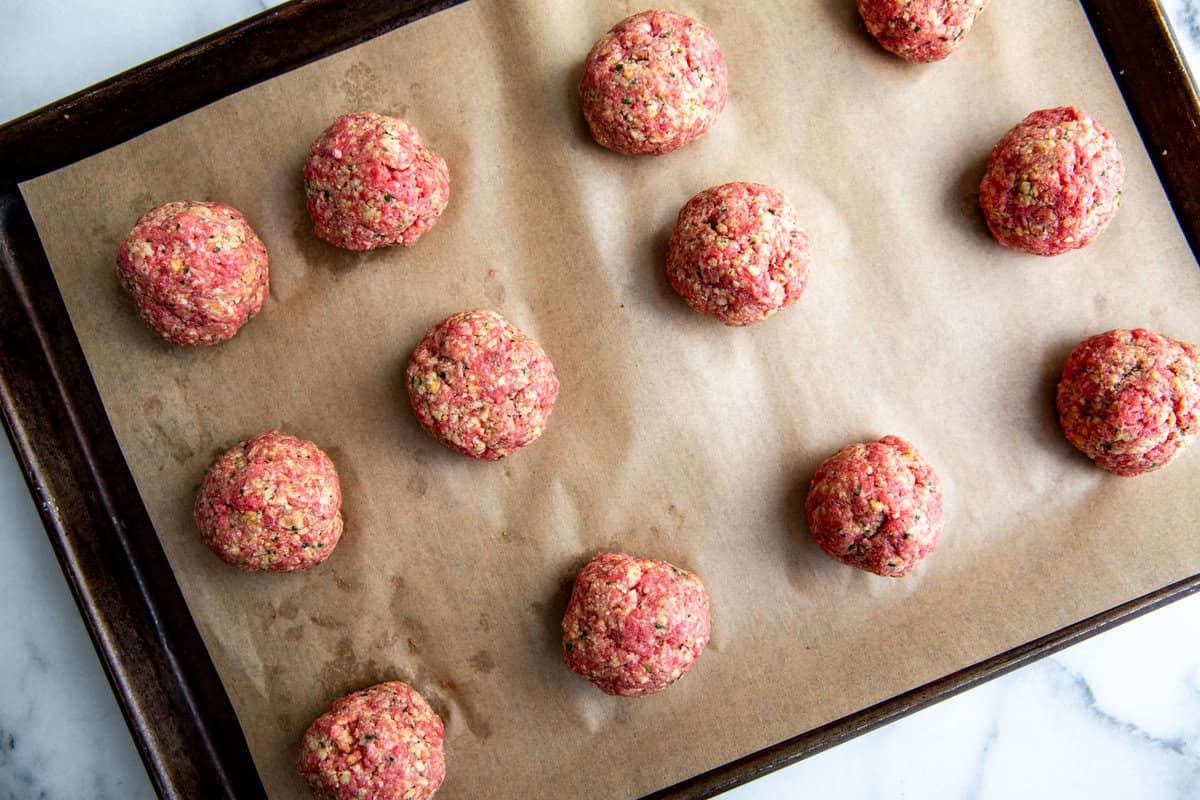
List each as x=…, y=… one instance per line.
x=1115, y=717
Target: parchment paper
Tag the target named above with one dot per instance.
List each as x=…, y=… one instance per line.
x=673, y=437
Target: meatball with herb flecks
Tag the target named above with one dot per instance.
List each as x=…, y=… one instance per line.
x=272, y=504
x=384, y=742
x=1053, y=182
x=480, y=386
x=1130, y=400
x=634, y=625
x=738, y=253
x=920, y=30
x=196, y=271
x=371, y=182
x=876, y=506
x=653, y=83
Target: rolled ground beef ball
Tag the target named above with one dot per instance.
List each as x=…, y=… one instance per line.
x=1053, y=182
x=653, y=83
x=195, y=270
x=1130, y=400
x=738, y=253
x=272, y=503
x=480, y=386
x=382, y=743
x=634, y=625
x=371, y=182
x=876, y=506
x=920, y=30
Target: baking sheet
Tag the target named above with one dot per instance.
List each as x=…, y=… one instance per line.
x=674, y=437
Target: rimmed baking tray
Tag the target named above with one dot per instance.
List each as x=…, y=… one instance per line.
x=167, y=686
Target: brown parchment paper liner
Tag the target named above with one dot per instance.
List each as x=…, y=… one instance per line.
x=673, y=437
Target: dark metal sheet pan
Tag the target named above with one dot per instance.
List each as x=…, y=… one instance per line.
x=168, y=688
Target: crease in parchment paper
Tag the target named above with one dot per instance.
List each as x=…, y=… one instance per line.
x=673, y=437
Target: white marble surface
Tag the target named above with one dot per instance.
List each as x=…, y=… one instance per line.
x=1115, y=717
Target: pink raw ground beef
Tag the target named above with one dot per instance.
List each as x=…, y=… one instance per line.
x=381, y=743
x=876, y=506
x=1130, y=400
x=371, y=182
x=480, y=386
x=920, y=30
x=653, y=83
x=195, y=270
x=271, y=503
x=1053, y=182
x=738, y=253
x=634, y=626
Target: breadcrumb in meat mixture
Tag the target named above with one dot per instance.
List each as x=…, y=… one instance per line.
x=271, y=503
x=196, y=271
x=738, y=253
x=920, y=30
x=481, y=386
x=1053, y=182
x=876, y=506
x=371, y=182
x=384, y=742
x=653, y=83
x=634, y=625
x=1130, y=399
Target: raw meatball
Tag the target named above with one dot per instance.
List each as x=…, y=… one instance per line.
x=371, y=182
x=1053, y=182
x=634, y=626
x=480, y=386
x=653, y=83
x=920, y=30
x=876, y=506
x=1130, y=400
x=381, y=743
x=196, y=271
x=271, y=503
x=738, y=253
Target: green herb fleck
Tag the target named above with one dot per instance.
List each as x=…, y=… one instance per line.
x=217, y=248
x=916, y=28
x=388, y=198
x=186, y=269
x=625, y=101
x=619, y=68
x=570, y=647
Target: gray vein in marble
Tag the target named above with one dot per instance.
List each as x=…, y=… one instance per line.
x=1189, y=16
x=1087, y=697
x=17, y=780
x=975, y=790
x=28, y=776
